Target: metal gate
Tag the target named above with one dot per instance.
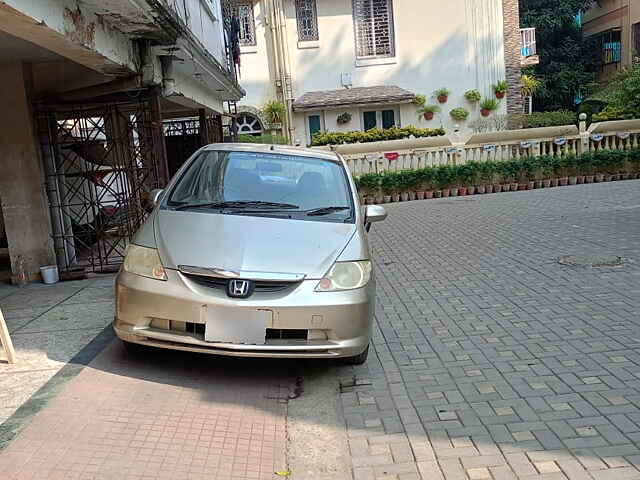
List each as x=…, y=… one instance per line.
x=100, y=164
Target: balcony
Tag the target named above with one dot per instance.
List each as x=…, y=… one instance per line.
x=528, y=51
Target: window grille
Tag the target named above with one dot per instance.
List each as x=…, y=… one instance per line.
x=636, y=39
x=243, y=11
x=373, y=23
x=307, y=17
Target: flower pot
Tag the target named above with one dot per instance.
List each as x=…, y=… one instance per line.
x=563, y=181
x=454, y=192
x=480, y=189
x=395, y=197
x=573, y=180
x=471, y=190
x=580, y=179
x=500, y=95
x=386, y=199
x=428, y=195
x=607, y=177
x=437, y=194
x=497, y=188
x=598, y=177
x=443, y=98
x=546, y=183
x=537, y=184
x=428, y=115
x=380, y=199
x=624, y=176
x=523, y=186
x=412, y=196
x=514, y=187
x=485, y=112
x=420, y=195
x=615, y=177
x=554, y=182
x=368, y=201
x=506, y=187
x=488, y=188
x=462, y=191
x=404, y=196
x=588, y=179
x=446, y=192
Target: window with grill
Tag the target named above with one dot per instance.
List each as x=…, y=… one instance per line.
x=243, y=11
x=307, y=17
x=610, y=45
x=373, y=23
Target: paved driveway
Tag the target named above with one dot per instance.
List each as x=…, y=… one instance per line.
x=492, y=360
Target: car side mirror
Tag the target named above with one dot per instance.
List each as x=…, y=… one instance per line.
x=156, y=195
x=374, y=213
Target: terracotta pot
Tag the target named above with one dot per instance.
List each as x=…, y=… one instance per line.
x=531, y=185
x=379, y=199
x=537, y=184
x=563, y=182
x=454, y=192
x=428, y=195
x=485, y=112
x=437, y=194
x=607, y=177
x=615, y=177
x=471, y=190
x=497, y=188
x=500, y=95
x=488, y=188
x=573, y=180
x=480, y=189
x=368, y=201
x=580, y=179
x=598, y=177
x=386, y=199
x=546, y=183
x=589, y=179
x=428, y=115
x=395, y=197
x=419, y=195
x=443, y=98
x=462, y=191
x=624, y=176
x=522, y=186
x=446, y=192
x=514, y=187
x=404, y=196
x=554, y=182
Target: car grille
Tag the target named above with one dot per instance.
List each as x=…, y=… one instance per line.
x=221, y=283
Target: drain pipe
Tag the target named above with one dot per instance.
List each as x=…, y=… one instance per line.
x=286, y=61
x=168, y=82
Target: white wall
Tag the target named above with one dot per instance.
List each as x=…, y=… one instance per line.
x=455, y=44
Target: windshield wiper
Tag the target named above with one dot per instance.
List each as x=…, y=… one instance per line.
x=316, y=212
x=237, y=204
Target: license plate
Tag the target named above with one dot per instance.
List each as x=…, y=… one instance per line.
x=236, y=325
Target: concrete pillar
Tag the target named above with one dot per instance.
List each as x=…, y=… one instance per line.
x=22, y=191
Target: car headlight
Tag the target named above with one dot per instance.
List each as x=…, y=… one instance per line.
x=345, y=276
x=143, y=261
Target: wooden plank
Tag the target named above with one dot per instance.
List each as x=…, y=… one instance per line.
x=5, y=339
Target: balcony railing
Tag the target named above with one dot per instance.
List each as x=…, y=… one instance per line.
x=528, y=47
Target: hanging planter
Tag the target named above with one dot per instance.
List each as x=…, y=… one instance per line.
x=442, y=94
x=487, y=106
x=500, y=89
x=428, y=111
x=343, y=118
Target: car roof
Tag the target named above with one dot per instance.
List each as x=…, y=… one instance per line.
x=281, y=149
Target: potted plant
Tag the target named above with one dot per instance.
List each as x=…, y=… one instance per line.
x=419, y=100
x=486, y=172
x=428, y=111
x=500, y=89
x=426, y=179
x=459, y=114
x=274, y=111
x=473, y=96
x=388, y=183
x=487, y=106
x=442, y=94
x=343, y=118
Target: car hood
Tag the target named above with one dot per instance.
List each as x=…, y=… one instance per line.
x=249, y=243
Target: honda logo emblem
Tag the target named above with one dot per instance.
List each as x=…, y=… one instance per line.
x=239, y=288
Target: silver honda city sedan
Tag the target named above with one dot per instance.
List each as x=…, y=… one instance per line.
x=253, y=251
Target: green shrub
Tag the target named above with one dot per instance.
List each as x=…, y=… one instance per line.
x=275, y=111
x=373, y=135
x=623, y=101
x=265, y=138
x=419, y=100
x=542, y=119
x=489, y=104
x=473, y=96
x=459, y=114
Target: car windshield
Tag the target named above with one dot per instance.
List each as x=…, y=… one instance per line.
x=253, y=183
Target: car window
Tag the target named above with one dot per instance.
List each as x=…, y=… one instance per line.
x=306, y=182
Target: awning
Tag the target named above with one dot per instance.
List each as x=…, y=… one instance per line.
x=387, y=94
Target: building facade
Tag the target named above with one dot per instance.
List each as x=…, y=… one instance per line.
x=88, y=87
x=615, y=25
x=306, y=53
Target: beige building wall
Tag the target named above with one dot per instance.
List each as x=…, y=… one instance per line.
x=456, y=44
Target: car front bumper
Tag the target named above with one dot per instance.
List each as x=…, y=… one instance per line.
x=171, y=314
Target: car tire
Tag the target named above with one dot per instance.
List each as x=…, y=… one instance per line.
x=358, y=359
